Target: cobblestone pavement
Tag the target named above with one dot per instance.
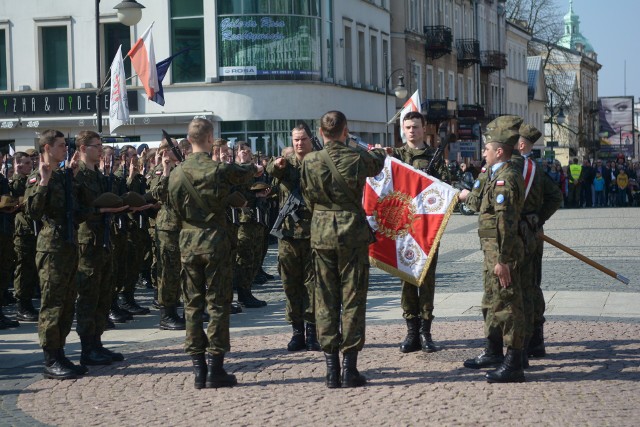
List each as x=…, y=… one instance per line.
x=590, y=377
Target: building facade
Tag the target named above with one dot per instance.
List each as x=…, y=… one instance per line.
x=253, y=67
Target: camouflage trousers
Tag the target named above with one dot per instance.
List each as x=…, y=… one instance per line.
x=57, y=272
x=25, y=278
x=296, y=271
x=539, y=304
x=418, y=301
x=93, y=281
x=206, y=284
x=168, y=265
x=137, y=243
x=7, y=264
x=341, y=285
x=248, y=254
x=118, y=262
x=503, y=306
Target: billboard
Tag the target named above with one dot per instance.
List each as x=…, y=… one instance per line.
x=616, y=125
x=276, y=47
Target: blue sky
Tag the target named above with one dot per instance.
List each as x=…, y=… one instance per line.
x=611, y=27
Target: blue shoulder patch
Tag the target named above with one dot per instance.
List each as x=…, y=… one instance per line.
x=500, y=199
x=476, y=184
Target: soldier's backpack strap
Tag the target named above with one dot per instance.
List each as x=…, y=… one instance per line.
x=340, y=179
x=194, y=194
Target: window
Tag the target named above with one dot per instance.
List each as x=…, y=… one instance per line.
x=470, y=96
x=362, y=59
x=413, y=15
x=441, y=89
x=374, y=61
x=348, y=56
x=3, y=59
x=452, y=86
x=460, y=89
x=416, y=78
x=55, y=57
x=116, y=34
x=457, y=24
x=187, y=31
x=430, y=90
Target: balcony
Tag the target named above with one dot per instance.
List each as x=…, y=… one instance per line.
x=439, y=110
x=439, y=41
x=493, y=60
x=468, y=52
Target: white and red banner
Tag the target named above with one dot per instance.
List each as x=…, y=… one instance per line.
x=412, y=104
x=119, y=104
x=143, y=59
x=408, y=210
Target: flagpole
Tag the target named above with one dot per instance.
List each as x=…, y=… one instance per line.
x=98, y=87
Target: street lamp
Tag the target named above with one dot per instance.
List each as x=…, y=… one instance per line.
x=559, y=119
x=129, y=13
x=400, y=91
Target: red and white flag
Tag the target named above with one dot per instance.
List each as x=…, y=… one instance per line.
x=412, y=104
x=408, y=210
x=143, y=59
x=118, y=104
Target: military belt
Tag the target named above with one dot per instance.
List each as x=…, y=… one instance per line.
x=489, y=233
x=349, y=207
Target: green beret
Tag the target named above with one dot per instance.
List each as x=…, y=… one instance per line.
x=133, y=199
x=530, y=133
x=148, y=197
x=259, y=186
x=8, y=202
x=504, y=130
x=107, y=200
x=236, y=200
x=30, y=152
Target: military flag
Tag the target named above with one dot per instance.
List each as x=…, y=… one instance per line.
x=408, y=210
x=143, y=59
x=161, y=70
x=119, y=104
x=412, y=104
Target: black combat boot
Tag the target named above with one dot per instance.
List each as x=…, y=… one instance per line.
x=312, y=338
x=297, y=340
x=265, y=274
x=169, y=319
x=117, y=314
x=5, y=322
x=155, y=304
x=26, y=311
x=114, y=355
x=411, y=342
x=511, y=369
x=200, y=370
x=246, y=298
x=525, y=353
x=350, y=375
x=333, y=370
x=490, y=357
x=90, y=354
x=64, y=360
x=426, y=343
x=536, y=345
x=235, y=308
x=8, y=298
x=54, y=368
x=109, y=325
x=129, y=304
x=216, y=375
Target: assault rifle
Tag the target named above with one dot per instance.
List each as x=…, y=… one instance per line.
x=176, y=150
x=289, y=208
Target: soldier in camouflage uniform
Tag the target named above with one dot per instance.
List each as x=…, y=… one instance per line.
x=198, y=191
x=294, y=248
x=26, y=274
x=542, y=200
x=52, y=196
x=417, y=301
x=250, y=238
x=501, y=203
x=332, y=183
x=167, y=242
x=6, y=248
x=93, y=278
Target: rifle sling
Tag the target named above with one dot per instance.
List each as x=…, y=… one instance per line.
x=194, y=194
x=341, y=183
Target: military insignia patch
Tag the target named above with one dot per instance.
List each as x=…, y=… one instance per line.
x=476, y=184
x=500, y=199
x=33, y=180
x=500, y=183
x=158, y=172
x=483, y=170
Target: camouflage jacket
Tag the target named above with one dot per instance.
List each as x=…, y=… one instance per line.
x=48, y=203
x=6, y=219
x=420, y=158
x=138, y=184
x=92, y=183
x=23, y=223
x=473, y=199
x=338, y=219
x=502, y=200
x=544, y=197
x=167, y=219
x=213, y=182
x=247, y=213
x=288, y=179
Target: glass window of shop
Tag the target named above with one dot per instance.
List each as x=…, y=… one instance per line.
x=269, y=40
x=268, y=137
x=3, y=60
x=116, y=34
x=187, y=31
x=55, y=57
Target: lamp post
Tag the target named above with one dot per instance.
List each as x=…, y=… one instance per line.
x=400, y=91
x=129, y=13
x=559, y=118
